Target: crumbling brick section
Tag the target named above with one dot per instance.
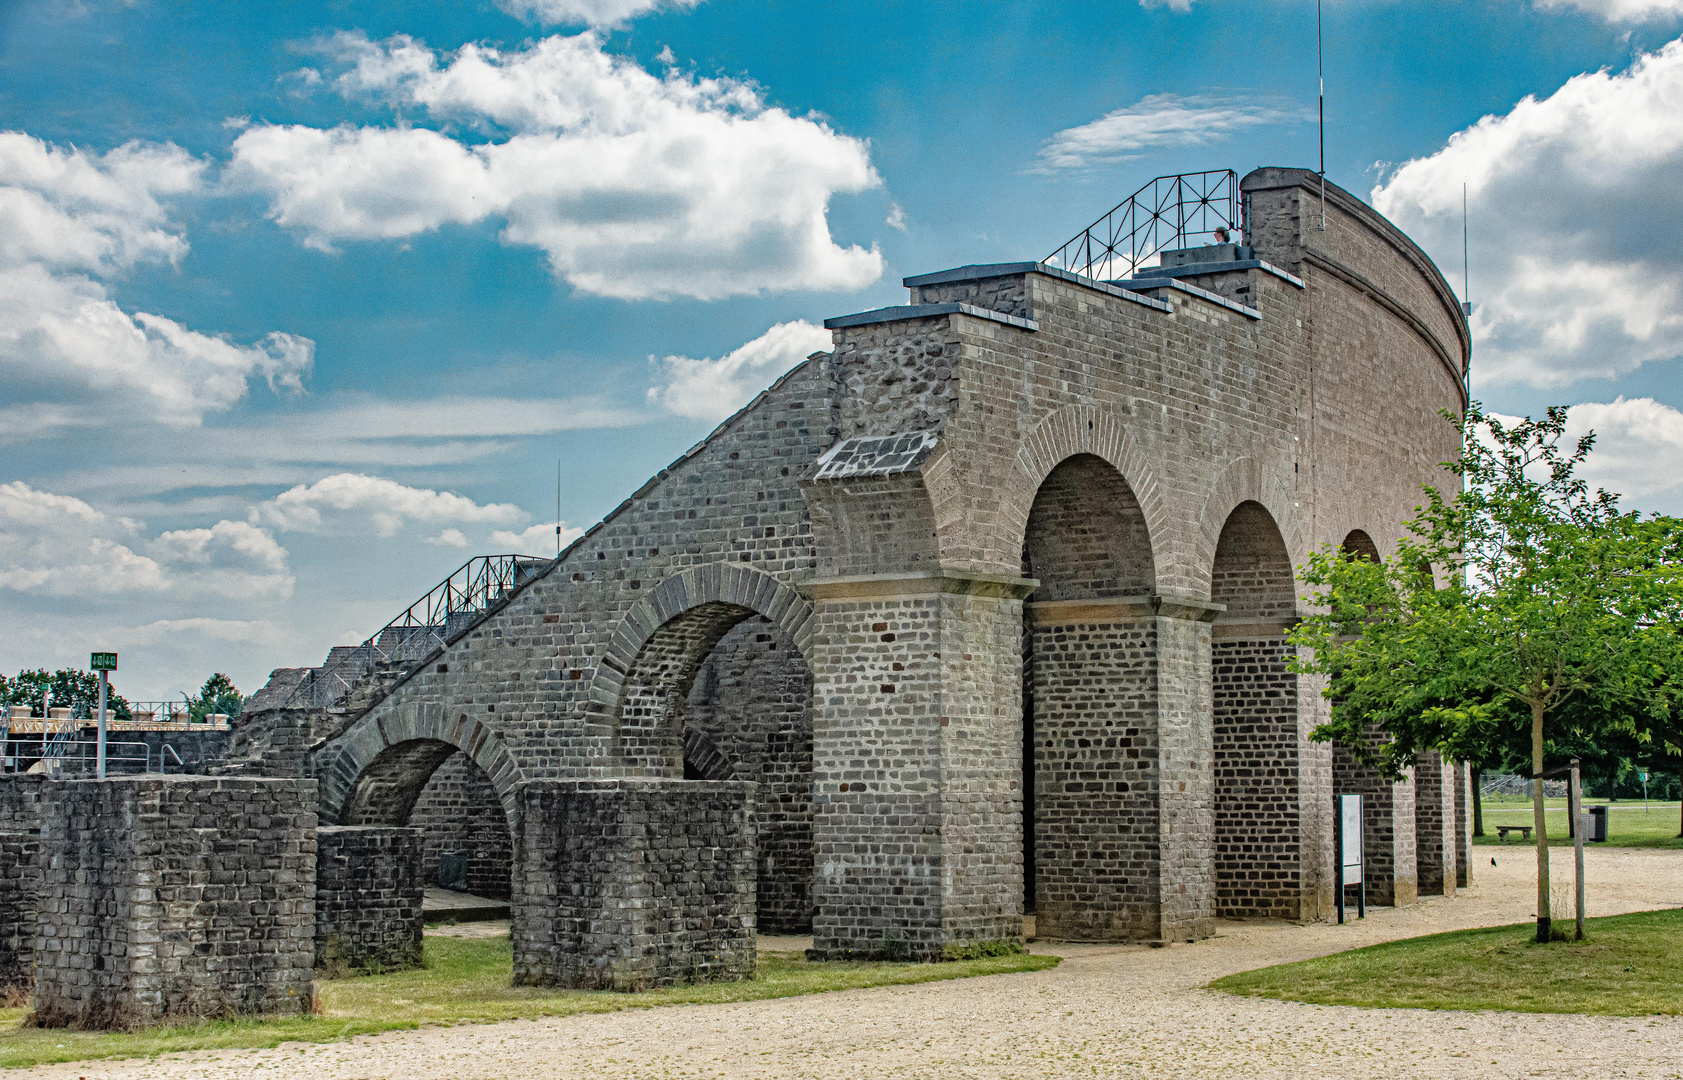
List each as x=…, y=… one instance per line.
x=171, y=898
x=634, y=884
x=368, y=898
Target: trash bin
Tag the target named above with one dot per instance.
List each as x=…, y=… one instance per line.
x=453, y=870
x=1597, y=824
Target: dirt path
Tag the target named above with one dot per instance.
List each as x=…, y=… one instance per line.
x=1106, y=1011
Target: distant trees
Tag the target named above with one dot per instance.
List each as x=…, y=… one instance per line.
x=217, y=695
x=66, y=688
x=1510, y=604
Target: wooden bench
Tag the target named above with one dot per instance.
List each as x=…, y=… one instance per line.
x=1502, y=831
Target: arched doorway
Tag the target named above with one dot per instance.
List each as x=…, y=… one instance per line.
x=460, y=816
x=1090, y=801
x=723, y=690
x=1258, y=811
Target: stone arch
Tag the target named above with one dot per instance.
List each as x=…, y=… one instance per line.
x=1066, y=433
x=383, y=761
x=1245, y=480
x=1091, y=859
x=1257, y=750
x=733, y=586
x=1360, y=544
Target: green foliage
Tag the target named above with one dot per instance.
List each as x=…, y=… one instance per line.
x=66, y=688
x=217, y=695
x=1505, y=603
x=1627, y=965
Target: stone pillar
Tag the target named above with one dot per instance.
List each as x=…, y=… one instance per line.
x=1463, y=824
x=1434, y=824
x=917, y=763
x=1388, y=821
x=633, y=884
x=1186, y=764
x=368, y=898
x=170, y=898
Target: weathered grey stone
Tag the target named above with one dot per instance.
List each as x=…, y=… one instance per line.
x=368, y=898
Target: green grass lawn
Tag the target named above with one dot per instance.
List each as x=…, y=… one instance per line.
x=1628, y=965
x=1628, y=824
x=466, y=980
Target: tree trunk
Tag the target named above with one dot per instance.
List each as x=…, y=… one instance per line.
x=1539, y=824
x=1478, y=803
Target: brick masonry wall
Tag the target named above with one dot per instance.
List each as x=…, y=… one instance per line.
x=20, y=882
x=1388, y=827
x=1258, y=849
x=1096, y=781
x=459, y=811
x=368, y=898
x=749, y=717
x=174, y=898
x=1434, y=825
x=1463, y=825
x=634, y=884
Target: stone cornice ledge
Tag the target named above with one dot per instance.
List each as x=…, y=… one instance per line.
x=921, y=583
x=927, y=311
x=1119, y=608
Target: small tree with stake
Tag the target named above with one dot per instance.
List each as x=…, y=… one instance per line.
x=1507, y=600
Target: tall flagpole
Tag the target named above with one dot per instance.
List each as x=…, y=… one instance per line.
x=1321, y=78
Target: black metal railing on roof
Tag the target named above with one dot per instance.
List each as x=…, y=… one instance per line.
x=450, y=607
x=1169, y=212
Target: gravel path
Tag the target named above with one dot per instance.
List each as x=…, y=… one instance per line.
x=1106, y=1011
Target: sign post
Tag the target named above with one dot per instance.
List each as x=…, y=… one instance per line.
x=104, y=663
x=1347, y=829
x=1575, y=810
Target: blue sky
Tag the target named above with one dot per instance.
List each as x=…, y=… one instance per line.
x=300, y=304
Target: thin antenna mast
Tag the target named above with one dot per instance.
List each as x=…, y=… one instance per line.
x=1466, y=282
x=557, y=508
x=1321, y=79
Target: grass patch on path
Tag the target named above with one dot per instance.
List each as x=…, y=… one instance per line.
x=1628, y=965
x=466, y=980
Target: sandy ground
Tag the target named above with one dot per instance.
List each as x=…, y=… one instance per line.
x=1107, y=1011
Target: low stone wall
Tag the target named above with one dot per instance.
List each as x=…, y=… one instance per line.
x=169, y=898
x=634, y=884
x=20, y=880
x=368, y=898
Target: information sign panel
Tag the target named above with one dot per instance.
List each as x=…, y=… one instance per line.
x=1350, y=838
x=103, y=661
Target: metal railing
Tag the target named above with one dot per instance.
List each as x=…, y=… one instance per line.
x=1169, y=212
x=65, y=757
x=450, y=607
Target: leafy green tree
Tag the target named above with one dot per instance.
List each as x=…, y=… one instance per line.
x=66, y=688
x=1506, y=601
x=217, y=695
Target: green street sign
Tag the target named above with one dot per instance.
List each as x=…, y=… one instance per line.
x=1644, y=777
x=103, y=661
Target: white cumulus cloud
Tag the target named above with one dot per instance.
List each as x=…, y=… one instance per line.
x=713, y=389
x=1577, y=269
x=351, y=502
x=588, y=12
x=634, y=185
x=69, y=355
x=1619, y=11
x=1159, y=121
x=59, y=545
x=1638, y=449
x=537, y=540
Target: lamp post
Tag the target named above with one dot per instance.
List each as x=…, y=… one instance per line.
x=104, y=663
